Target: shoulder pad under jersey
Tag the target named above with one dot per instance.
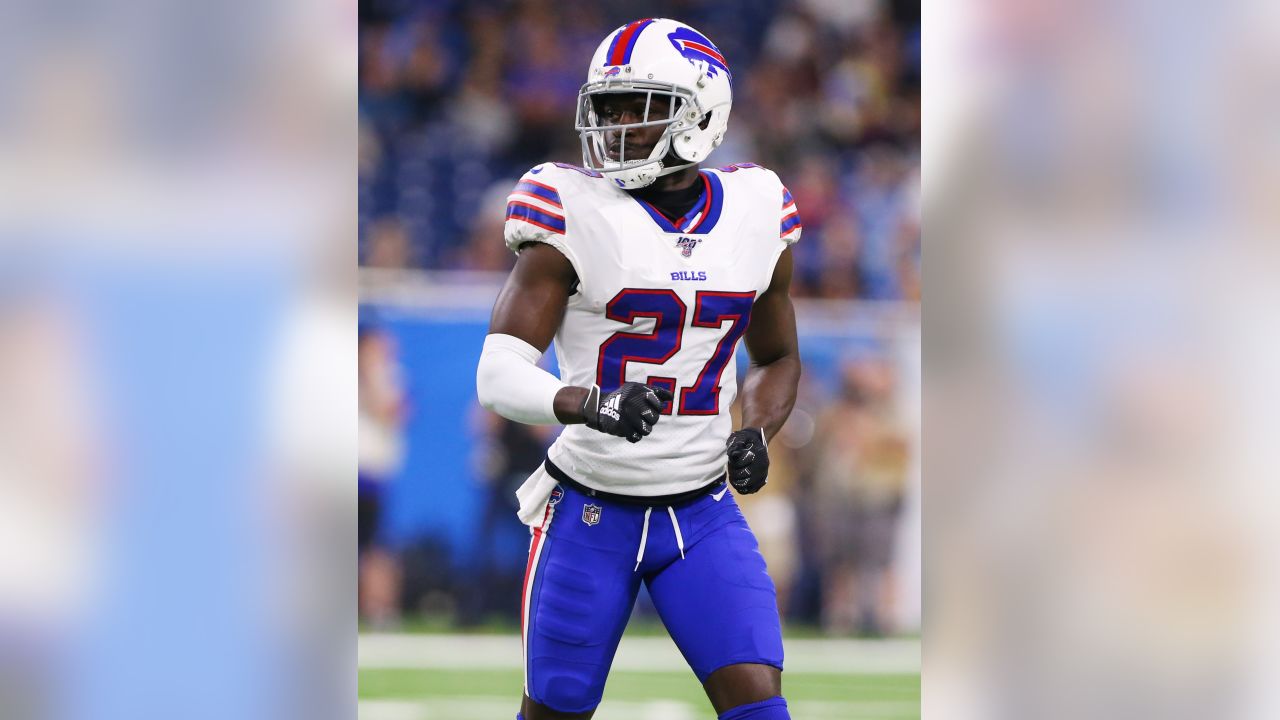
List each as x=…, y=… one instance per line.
x=536, y=207
x=766, y=182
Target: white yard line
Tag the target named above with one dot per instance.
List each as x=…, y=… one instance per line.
x=488, y=708
x=502, y=652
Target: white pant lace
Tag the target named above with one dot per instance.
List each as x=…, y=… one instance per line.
x=644, y=534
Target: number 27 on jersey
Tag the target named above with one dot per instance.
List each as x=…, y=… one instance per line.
x=712, y=309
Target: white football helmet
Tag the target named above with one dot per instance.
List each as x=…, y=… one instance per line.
x=664, y=58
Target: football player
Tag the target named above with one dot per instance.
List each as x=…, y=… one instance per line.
x=647, y=270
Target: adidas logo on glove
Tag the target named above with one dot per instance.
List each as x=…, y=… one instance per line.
x=610, y=408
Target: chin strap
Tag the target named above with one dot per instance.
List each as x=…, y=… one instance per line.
x=663, y=168
x=668, y=170
x=632, y=185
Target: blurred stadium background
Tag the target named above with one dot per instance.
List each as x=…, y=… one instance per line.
x=176, y=334
x=457, y=99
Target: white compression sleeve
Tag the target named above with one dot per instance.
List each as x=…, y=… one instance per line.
x=510, y=383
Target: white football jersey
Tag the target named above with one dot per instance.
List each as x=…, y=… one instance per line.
x=658, y=301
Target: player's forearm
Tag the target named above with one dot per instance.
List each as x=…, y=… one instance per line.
x=568, y=404
x=769, y=393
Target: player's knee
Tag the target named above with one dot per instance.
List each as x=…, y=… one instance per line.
x=567, y=693
x=775, y=708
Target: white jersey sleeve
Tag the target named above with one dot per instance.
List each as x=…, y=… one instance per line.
x=536, y=211
x=765, y=185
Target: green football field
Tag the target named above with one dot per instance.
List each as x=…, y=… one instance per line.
x=466, y=677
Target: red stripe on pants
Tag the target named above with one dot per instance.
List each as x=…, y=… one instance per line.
x=528, y=570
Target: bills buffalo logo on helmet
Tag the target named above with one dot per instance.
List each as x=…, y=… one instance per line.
x=612, y=71
x=694, y=47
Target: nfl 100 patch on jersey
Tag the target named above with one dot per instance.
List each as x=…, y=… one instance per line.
x=687, y=245
x=660, y=300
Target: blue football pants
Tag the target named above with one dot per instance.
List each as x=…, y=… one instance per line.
x=587, y=558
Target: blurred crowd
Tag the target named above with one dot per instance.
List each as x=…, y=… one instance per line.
x=457, y=99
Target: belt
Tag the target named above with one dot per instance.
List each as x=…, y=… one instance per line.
x=650, y=501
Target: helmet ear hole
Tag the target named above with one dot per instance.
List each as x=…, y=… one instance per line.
x=706, y=120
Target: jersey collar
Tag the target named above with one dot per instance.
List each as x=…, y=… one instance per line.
x=704, y=215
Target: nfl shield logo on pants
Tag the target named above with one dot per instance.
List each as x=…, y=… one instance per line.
x=591, y=514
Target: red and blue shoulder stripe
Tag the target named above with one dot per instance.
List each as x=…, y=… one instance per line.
x=534, y=215
x=535, y=189
x=536, y=203
x=790, y=214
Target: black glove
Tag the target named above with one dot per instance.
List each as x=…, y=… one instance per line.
x=748, y=460
x=631, y=411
